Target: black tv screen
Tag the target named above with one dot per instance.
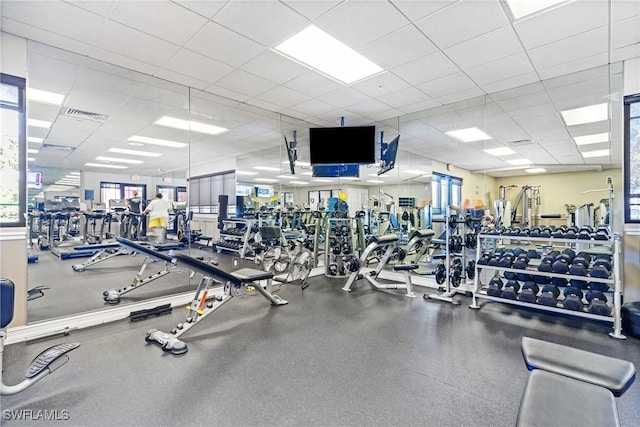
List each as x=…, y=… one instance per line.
x=335, y=171
x=342, y=145
x=388, y=155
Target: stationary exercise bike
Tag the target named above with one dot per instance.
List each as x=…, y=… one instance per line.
x=44, y=364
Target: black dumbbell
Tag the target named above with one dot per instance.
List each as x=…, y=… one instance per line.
x=603, y=262
x=484, y=259
x=601, y=234
x=558, y=234
x=571, y=234
x=333, y=269
x=494, y=288
x=529, y=292
x=510, y=290
x=549, y=296
x=545, y=232
x=599, y=272
x=573, y=302
x=578, y=270
x=570, y=290
x=570, y=253
x=584, y=235
x=533, y=254
x=578, y=260
x=471, y=269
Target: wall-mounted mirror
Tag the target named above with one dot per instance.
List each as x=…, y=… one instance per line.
x=95, y=137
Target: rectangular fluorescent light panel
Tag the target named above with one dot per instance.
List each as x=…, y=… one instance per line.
x=134, y=152
x=590, y=114
x=416, y=172
x=519, y=162
x=265, y=180
x=35, y=140
x=199, y=127
x=101, y=165
x=320, y=51
x=375, y=181
x=38, y=123
x=535, y=170
x=119, y=160
x=31, y=159
x=45, y=97
x=286, y=176
x=246, y=173
x=267, y=168
x=74, y=173
x=321, y=180
x=596, y=138
x=468, y=135
x=520, y=8
x=500, y=151
x=595, y=153
x=32, y=151
x=299, y=182
x=156, y=141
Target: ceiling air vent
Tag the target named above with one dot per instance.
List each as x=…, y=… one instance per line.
x=520, y=142
x=85, y=115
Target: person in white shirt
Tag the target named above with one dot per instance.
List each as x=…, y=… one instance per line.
x=158, y=211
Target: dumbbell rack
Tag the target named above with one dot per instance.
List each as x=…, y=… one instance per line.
x=615, y=317
x=334, y=224
x=236, y=232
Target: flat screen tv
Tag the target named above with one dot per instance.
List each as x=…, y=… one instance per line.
x=335, y=171
x=342, y=145
x=388, y=154
x=264, y=192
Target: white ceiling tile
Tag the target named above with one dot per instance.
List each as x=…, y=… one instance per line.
x=164, y=73
x=447, y=85
x=510, y=83
x=625, y=33
x=625, y=53
x=39, y=111
x=313, y=107
x=246, y=83
x=623, y=9
x=380, y=84
x=122, y=61
x=231, y=94
x=415, y=10
x=462, y=21
x=564, y=21
x=570, y=49
x=399, y=47
x=425, y=69
x=313, y=84
x=357, y=24
x=541, y=122
x=404, y=97
x=265, y=22
x=482, y=49
x=519, y=92
x=457, y=96
x=135, y=44
x=206, y=8
x=197, y=66
x=532, y=110
x=101, y=7
x=164, y=20
x=274, y=67
x=312, y=9
x=33, y=33
x=283, y=96
x=501, y=69
x=51, y=74
x=56, y=17
x=419, y=106
x=225, y=45
x=344, y=97
x=574, y=66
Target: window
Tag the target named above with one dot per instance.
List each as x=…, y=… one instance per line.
x=13, y=161
x=120, y=191
x=205, y=190
x=446, y=191
x=632, y=158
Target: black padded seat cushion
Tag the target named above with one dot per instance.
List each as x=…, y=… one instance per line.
x=405, y=267
x=555, y=400
x=426, y=232
x=96, y=247
x=608, y=372
x=385, y=238
x=251, y=274
x=143, y=249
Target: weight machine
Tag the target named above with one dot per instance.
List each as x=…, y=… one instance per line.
x=528, y=199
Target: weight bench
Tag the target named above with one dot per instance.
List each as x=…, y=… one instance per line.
x=235, y=285
x=571, y=387
x=44, y=364
x=112, y=296
x=101, y=252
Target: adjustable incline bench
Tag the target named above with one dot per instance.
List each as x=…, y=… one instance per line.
x=112, y=296
x=571, y=387
x=235, y=284
x=44, y=364
x=101, y=252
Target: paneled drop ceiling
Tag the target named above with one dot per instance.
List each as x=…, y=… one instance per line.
x=447, y=64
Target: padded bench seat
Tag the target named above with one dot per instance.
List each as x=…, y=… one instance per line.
x=425, y=232
x=385, y=238
x=554, y=400
x=608, y=372
x=252, y=275
x=405, y=267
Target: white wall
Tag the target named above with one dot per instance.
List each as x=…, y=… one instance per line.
x=632, y=76
x=91, y=181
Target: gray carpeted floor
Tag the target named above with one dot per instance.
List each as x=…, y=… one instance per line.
x=328, y=358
